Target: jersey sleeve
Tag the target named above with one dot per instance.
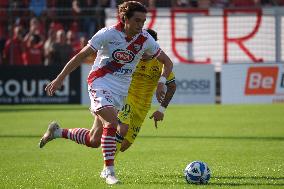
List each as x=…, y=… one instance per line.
x=171, y=78
x=98, y=40
x=153, y=48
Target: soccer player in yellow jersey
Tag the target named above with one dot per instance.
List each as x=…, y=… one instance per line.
x=138, y=102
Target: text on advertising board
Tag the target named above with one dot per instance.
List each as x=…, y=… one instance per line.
x=261, y=80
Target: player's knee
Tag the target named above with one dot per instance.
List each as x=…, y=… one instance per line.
x=112, y=124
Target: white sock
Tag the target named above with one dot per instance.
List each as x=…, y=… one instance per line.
x=111, y=168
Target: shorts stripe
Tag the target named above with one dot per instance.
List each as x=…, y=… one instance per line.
x=106, y=106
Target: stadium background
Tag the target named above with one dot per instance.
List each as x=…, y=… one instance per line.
x=225, y=52
x=203, y=38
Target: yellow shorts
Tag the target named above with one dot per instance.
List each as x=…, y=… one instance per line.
x=134, y=118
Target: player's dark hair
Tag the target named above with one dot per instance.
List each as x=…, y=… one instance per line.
x=127, y=9
x=153, y=33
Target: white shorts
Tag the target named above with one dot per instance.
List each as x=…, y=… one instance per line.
x=103, y=98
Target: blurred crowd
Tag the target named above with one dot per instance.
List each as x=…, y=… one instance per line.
x=47, y=32
x=50, y=32
x=211, y=3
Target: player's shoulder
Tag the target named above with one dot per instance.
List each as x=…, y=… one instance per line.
x=106, y=30
x=147, y=35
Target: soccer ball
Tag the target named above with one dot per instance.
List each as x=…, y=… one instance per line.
x=197, y=172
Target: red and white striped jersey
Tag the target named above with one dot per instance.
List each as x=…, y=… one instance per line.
x=117, y=57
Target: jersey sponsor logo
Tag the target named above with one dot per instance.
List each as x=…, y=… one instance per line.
x=123, y=56
x=124, y=71
x=261, y=80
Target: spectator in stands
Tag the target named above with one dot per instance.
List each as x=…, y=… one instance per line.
x=13, y=50
x=61, y=52
x=93, y=15
x=76, y=7
x=220, y=3
x=245, y=4
x=19, y=8
x=72, y=41
x=33, y=54
x=83, y=41
x=63, y=7
x=89, y=20
x=77, y=18
x=48, y=46
x=56, y=25
x=203, y=4
x=37, y=7
x=267, y=3
x=35, y=28
x=181, y=3
x=3, y=25
x=152, y=4
x=80, y=45
x=64, y=12
x=100, y=13
x=51, y=9
x=279, y=2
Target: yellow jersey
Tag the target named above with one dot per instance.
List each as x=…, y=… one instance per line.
x=140, y=93
x=144, y=82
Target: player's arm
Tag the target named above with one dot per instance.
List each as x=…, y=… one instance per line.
x=167, y=69
x=171, y=89
x=158, y=115
x=76, y=61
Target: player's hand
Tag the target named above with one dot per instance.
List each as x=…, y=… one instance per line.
x=158, y=116
x=53, y=86
x=160, y=92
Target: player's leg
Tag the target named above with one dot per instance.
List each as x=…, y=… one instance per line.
x=130, y=137
x=124, y=121
x=125, y=145
x=96, y=133
x=127, y=134
x=78, y=135
x=135, y=123
x=119, y=136
x=108, y=117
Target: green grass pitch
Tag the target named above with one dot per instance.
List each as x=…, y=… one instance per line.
x=242, y=144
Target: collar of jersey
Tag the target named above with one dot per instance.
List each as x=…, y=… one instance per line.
x=119, y=27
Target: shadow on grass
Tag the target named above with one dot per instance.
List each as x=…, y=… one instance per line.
x=216, y=137
x=245, y=184
x=20, y=136
x=44, y=108
x=250, y=177
x=173, y=137
x=178, y=179
x=246, y=181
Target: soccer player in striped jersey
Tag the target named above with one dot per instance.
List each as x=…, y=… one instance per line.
x=118, y=49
